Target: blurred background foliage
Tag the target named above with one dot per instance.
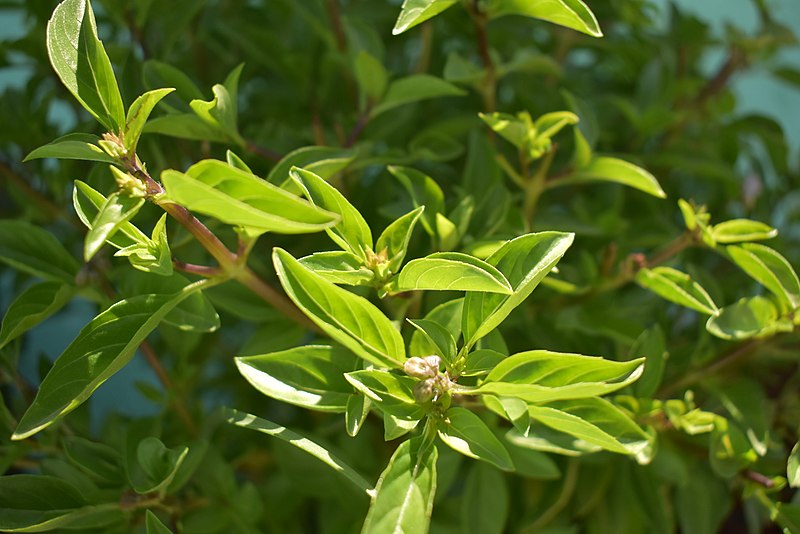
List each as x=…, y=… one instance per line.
x=705, y=95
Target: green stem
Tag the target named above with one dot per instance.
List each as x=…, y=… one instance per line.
x=534, y=188
x=479, y=18
x=570, y=483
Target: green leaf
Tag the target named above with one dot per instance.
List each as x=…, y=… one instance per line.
x=236, y=197
x=524, y=261
x=72, y=146
x=351, y=232
x=416, y=12
x=87, y=203
x=31, y=249
x=746, y=402
x=439, y=337
x=96, y=459
x=159, y=74
x=740, y=230
x=31, y=307
x=321, y=160
x=371, y=76
x=787, y=515
x=404, y=494
x=517, y=130
x=394, y=394
x=153, y=524
x=605, y=169
x=235, y=161
x=481, y=362
x=484, y=506
x=770, y=269
x=35, y=503
x=396, y=427
x=356, y=413
x=81, y=62
x=729, y=450
x=311, y=376
x=452, y=271
x=117, y=210
x=413, y=89
x=748, y=318
x=448, y=315
x=195, y=313
x=185, y=126
x=252, y=422
x=570, y=13
x=577, y=427
x=424, y=191
x=677, y=287
x=793, y=466
x=466, y=433
x=550, y=124
x=542, y=376
x=221, y=112
x=151, y=465
x=102, y=348
x=339, y=267
x=155, y=256
x=349, y=319
x=137, y=116
x=652, y=346
x=396, y=237
x=602, y=420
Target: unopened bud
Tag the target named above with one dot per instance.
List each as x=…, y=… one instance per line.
x=129, y=184
x=419, y=368
x=434, y=362
x=424, y=391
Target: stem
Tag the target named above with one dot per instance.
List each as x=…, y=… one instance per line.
x=535, y=187
x=166, y=381
x=729, y=358
x=480, y=19
x=265, y=153
x=570, y=483
x=200, y=270
x=335, y=17
x=249, y=279
x=677, y=245
x=426, y=38
x=361, y=123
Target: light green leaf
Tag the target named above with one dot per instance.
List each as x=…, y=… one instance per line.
x=356, y=413
x=153, y=525
x=221, y=112
x=73, y=146
x=397, y=427
x=310, y=376
x=137, y=116
x=239, y=198
x=155, y=257
x=466, y=433
x=524, y=261
x=413, y=89
x=31, y=249
x=748, y=318
x=545, y=439
x=185, y=126
x=793, y=466
x=677, y=287
x=351, y=232
x=102, y=348
x=517, y=130
x=481, y=362
x=396, y=237
x=542, y=376
x=258, y=424
x=404, y=494
x=605, y=169
x=117, y=210
x=439, y=337
x=81, y=62
x=150, y=465
x=550, y=124
x=570, y=13
x=339, y=267
x=87, y=203
x=235, y=161
x=577, y=427
x=729, y=450
x=448, y=315
x=31, y=307
x=416, y=12
x=452, y=271
x=35, y=503
x=321, y=160
x=770, y=269
x=424, y=191
x=394, y=394
x=349, y=319
x=447, y=233
x=484, y=506
x=740, y=230
x=371, y=76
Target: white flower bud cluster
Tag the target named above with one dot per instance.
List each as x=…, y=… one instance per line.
x=432, y=383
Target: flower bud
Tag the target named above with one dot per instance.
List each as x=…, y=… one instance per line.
x=419, y=368
x=434, y=362
x=424, y=390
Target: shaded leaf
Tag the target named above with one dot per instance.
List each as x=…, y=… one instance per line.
x=117, y=210
x=468, y=434
x=31, y=249
x=677, y=287
x=72, y=146
x=606, y=169
x=770, y=269
x=413, y=89
x=31, y=307
x=395, y=238
x=749, y=317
